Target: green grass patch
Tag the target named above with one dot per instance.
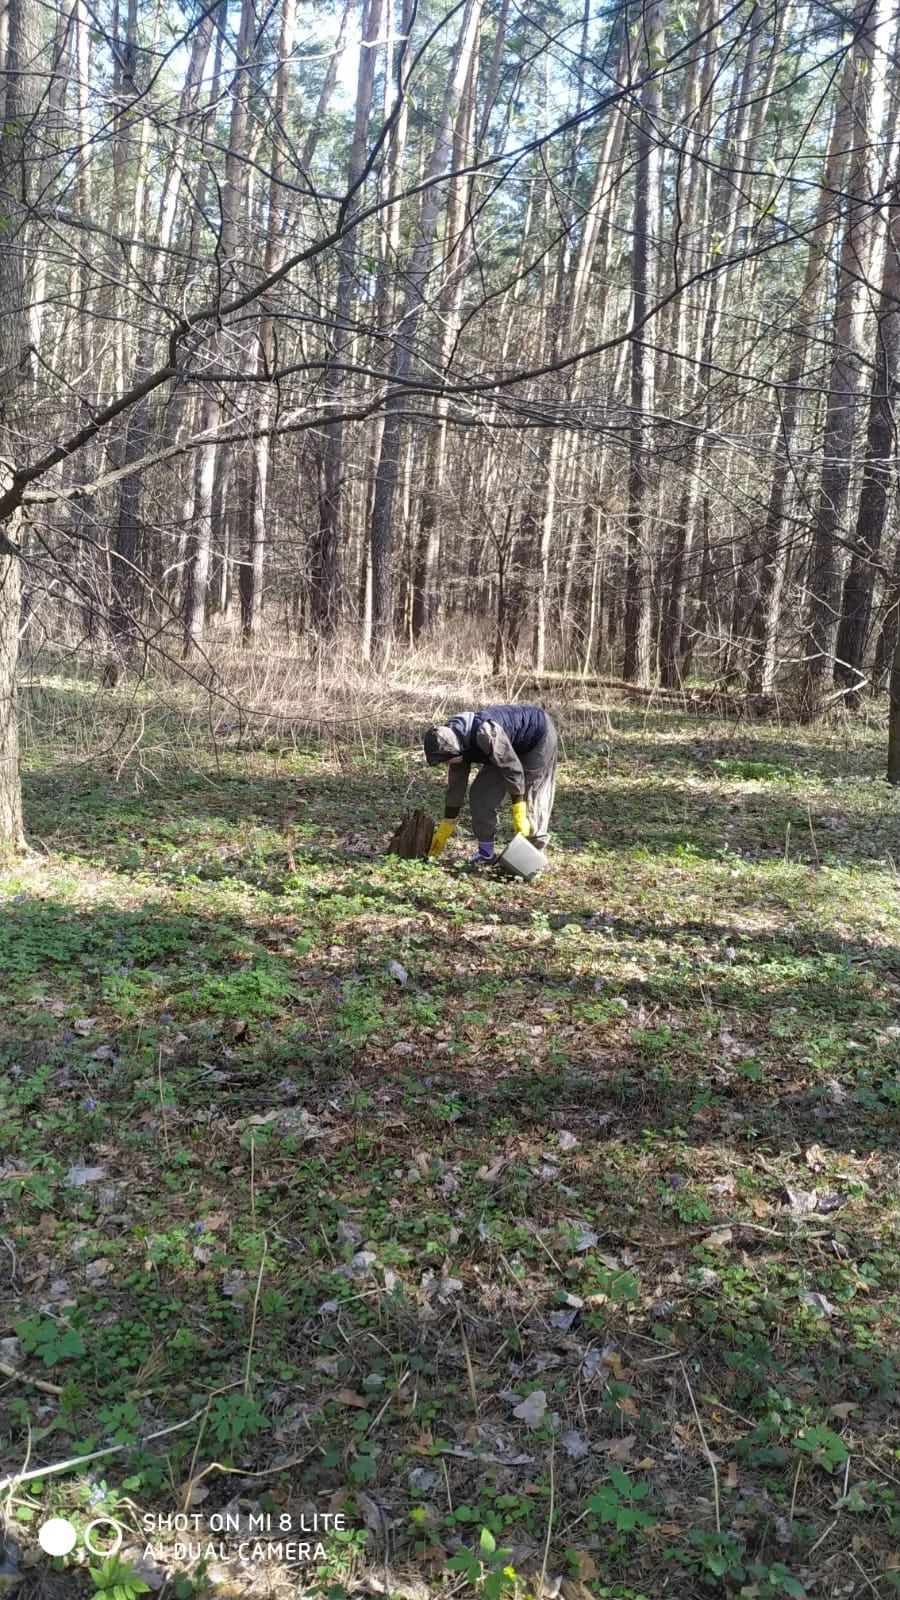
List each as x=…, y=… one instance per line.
x=510, y=1209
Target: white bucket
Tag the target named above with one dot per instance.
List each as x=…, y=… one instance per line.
x=522, y=859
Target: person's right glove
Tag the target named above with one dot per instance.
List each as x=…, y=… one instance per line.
x=520, y=818
x=443, y=833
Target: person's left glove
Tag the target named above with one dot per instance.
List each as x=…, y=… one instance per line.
x=443, y=833
x=520, y=818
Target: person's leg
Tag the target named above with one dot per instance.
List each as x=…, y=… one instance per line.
x=540, y=765
x=485, y=796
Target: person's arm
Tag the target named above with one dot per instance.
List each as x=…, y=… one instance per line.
x=457, y=784
x=497, y=746
x=500, y=753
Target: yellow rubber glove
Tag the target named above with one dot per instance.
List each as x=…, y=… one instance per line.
x=520, y=818
x=442, y=834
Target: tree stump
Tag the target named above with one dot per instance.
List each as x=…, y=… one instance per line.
x=412, y=839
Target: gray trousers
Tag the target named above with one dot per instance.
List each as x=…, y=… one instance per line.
x=489, y=790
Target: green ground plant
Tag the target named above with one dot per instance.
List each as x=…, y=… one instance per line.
x=560, y=1216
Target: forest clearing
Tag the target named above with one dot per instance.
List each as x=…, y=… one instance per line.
x=566, y=1211
x=391, y=389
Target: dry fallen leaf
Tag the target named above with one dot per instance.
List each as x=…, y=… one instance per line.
x=194, y=1495
x=532, y=1409
x=488, y=1174
x=622, y=1449
x=612, y=1359
x=801, y=1201
x=584, y=1240
x=575, y=1589
x=718, y=1239
x=575, y=1445
x=349, y=1397
x=819, y=1303
x=586, y=1565
x=77, y=1176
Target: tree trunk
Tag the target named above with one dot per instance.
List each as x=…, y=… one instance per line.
x=889, y=631
x=773, y=547
x=254, y=565
x=547, y=516
x=404, y=347
x=879, y=469
x=25, y=75
x=212, y=410
x=826, y=559
x=457, y=251
x=644, y=270
x=11, y=832
x=893, y=766
x=329, y=540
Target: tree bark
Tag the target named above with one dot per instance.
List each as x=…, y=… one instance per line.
x=826, y=558
x=212, y=411
x=414, y=301
x=327, y=551
x=25, y=85
x=644, y=272
x=457, y=250
x=253, y=569
x=773, y=547
x=893, y=768
x=879, y=471
x=127, y=577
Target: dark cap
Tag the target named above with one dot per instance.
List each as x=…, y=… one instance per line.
x=441, y=744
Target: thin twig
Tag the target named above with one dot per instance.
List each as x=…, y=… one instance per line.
x=470, y=1374
x=162, y=1102
x=9, y=1371
x=794, y=1490
x=16, y=1478
x=190, y=1480
x=822, y=1537
x=550, y=1511
x=259, y=1279
x=447, y=1486
x=863, y=1574
x=706, y=1449
x=252, y=1182
x=812, y=834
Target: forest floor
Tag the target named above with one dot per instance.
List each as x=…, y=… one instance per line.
x=543, y=1234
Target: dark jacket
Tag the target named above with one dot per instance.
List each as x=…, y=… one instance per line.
x=524, y=727
x=499, y=735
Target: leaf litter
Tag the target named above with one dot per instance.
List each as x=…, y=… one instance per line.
x=642, y=1326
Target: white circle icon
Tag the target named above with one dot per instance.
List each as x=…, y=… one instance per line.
x=57, y=1536
x=112, y=1537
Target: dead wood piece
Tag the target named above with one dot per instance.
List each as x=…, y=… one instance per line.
x=412, y=838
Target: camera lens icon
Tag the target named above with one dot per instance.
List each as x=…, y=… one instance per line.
x=57, y=1536
x=101, y=1538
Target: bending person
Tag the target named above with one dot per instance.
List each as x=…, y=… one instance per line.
x=517, y=750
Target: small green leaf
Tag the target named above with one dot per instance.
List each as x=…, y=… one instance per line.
x=487, y=1542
